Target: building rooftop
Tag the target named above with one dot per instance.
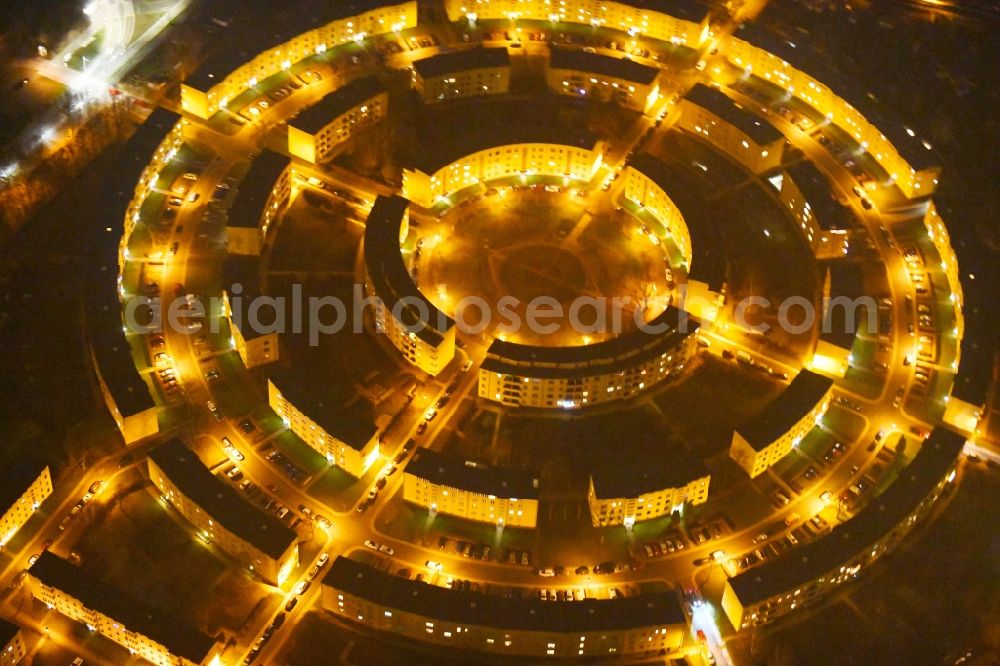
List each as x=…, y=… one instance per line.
x=977, y=368
x=487, y=124
x=255, y=188
x=461, y=61
x=111, y=349
x=828, y=212
x=389, y=276
x=758, y=129
x=244, y=271
x=113, y=355
x=689, y=10
x=503, y=482
x=440, y=603
x=221, y=501
x=708, y=255
x=352, y=424
x=586, y=360
x=16, y=477
x=7, y=632
x=797, y=400
x=337, y=103
x=163, y=627
x=258, y=23
x=635, y=479
x=805, y=56
x=805, y=563
x=610, y=66
x=845, y=281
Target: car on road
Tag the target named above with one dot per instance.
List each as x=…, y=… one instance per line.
x=430, y=415
x=371, y=544
x=422, y=427
x=234, y=474
x=33, y=558
x=301, y=587
x=547, y=572
x=435, y=566
x=363, y=506
x=291, y=603
x=323, y=559
x=239, y=456
x=386, y=549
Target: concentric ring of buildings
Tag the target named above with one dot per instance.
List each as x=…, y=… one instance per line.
x=514, y=376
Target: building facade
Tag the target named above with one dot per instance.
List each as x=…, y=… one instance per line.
x=158, y=638
x=570, y=163
x=468, y=73
x=755, y=61
x=938, y=234
x=808, y=573
x=221, y=516
x=351, y=445
x=254, y=348
x=167, y=128
x=203, y=102
x=317, y=131
x=798, y=206
x=643, y=191
x=617, y=80
x=23, y=488
x=12, y=649
x=473, y=491
x=518, y=375
x=742, y=135
x=770, y=436
x=637, y=625
x=644, y=493
x=596, y=13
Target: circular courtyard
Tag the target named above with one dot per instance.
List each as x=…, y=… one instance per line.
x=519, y=248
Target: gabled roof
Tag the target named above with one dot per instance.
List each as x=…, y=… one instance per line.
x=461, y=61
x=659, y=609
x=503, y=482
x=177, y=636
x=595, y=63
x=221, y=501
x=797, y=400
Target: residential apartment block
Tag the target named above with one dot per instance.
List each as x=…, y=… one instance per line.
x=149, y=633
x=770, y=435
x=222, y=516
x=474, y=491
